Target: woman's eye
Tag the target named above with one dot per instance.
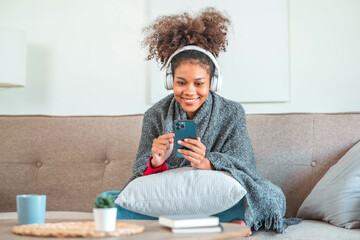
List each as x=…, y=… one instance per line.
x=181, y=83
x=199, y=84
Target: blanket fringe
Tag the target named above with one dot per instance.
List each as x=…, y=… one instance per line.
x=275, y=223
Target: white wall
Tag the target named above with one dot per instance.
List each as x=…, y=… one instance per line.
x=84, y=57
x=258, y=39
x=324, y=58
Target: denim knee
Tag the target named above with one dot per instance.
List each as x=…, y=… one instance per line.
x=235, y=212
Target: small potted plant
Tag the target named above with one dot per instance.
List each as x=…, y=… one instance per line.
x=105, y=213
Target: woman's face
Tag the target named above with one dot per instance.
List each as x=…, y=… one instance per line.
x=191, y=86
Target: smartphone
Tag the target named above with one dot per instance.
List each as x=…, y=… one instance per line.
x=183, y=129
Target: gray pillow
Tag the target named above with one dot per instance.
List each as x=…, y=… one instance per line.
x=336, y=197
x=182, y=191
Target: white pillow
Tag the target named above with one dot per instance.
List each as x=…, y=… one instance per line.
x=182, y=191
x=336, y=197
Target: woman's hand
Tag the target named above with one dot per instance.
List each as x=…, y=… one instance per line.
x=197, y=155
x=161, y=149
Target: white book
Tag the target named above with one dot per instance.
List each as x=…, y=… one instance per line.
x=198, y=230
x=188, y=221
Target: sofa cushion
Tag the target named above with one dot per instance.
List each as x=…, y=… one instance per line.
x=336, y=197
x=309, y=230
x=181, y=191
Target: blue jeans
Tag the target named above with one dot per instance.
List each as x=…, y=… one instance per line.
x=236, y=212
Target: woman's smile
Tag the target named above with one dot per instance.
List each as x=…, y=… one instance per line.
x=190, y=101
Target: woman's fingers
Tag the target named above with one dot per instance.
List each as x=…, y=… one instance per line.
x=191, y=154
x=193, y=158
x=196, y=142
x=196, y=154
x=162, y=146
x=167, y=136
x=194, y=145
x=156, y=150
x=164, y=141
x=196, y=162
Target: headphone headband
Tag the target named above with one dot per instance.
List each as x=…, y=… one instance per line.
x=216, y=82
x=193, y=47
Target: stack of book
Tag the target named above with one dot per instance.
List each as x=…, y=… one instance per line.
x=191, y=224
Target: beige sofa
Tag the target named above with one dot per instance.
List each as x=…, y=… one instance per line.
x=72, y=159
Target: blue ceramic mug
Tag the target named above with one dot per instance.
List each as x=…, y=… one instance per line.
x=31, y=209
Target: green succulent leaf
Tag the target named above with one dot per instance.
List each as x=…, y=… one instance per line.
x=105, y=201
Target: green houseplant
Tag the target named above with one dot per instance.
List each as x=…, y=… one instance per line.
x=105, y=201
x=105, y=213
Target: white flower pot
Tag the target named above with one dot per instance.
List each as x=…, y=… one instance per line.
x=105, y=219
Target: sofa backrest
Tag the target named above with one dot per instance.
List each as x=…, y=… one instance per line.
x=70, y=159
x=73, y=159
x=295, y=150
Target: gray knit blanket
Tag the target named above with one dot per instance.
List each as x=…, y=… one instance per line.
x=221, y=126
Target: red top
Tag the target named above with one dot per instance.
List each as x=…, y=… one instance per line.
x=151, y=170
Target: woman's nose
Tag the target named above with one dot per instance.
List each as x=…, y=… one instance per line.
x=190, y=88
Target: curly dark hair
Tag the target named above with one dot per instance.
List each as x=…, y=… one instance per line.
x=207, y=30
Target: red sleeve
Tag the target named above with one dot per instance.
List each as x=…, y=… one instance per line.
x=151, y=170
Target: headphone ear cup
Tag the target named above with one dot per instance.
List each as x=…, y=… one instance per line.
x=212, y=84
x=215, y=83
x=218, y=85
x=169, y=81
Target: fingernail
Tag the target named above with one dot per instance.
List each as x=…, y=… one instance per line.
x=179, y=141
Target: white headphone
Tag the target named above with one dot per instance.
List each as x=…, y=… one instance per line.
x=215, y=82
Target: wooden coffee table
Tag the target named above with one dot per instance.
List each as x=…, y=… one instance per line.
x=153, y=230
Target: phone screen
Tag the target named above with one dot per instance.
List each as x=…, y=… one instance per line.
x=183, y=129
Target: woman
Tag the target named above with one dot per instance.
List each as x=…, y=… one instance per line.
x=187, y=48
